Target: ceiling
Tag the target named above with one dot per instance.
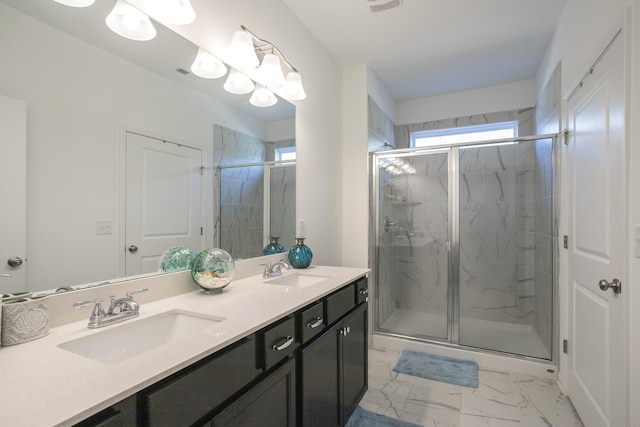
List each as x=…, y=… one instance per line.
x=422, y=48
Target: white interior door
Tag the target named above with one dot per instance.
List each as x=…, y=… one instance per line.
x=163, y=201
x=597, y=220
x=13, y=194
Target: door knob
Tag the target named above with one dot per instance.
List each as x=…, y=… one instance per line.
x=133, y=249
x=615, y=284
x=14, y=261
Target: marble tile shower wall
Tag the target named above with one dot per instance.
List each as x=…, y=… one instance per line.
x=239, y=208
x=283, y=204
x=547, y=202
x=420, y=236
x=381, y=128
x=381, y=132
x=496, y=233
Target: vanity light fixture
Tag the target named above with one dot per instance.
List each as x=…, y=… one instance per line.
x=129, y=22
x=238, y=83
x=246, y=51
x=262, y=97
x=241, y=51
x=270, y=70
x=208, y=66
x=76, y=3
x=178, y=12
x=292, y=88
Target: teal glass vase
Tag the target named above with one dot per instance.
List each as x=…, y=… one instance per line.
x=274, y=247
x=300, y=255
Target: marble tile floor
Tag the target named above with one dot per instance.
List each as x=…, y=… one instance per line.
x=503, y=399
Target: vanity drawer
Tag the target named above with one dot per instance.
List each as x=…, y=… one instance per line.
x=276, y=343
x=362, y=290
x=340, y=303
x=183, y=400
x=312, y=321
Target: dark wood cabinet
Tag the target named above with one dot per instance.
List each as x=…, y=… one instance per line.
x=270, y=403
x=307, y=369
x=193, y=393
x=319, y=381
x=333, y=371
x=354, y=361
x=122, y=414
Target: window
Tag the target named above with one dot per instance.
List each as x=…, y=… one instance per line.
x=431, y=138
x=285, y=153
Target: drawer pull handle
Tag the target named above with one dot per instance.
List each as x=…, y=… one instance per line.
x=364, y=291
x=345, y=331
x=315, y=323
x=287, y=342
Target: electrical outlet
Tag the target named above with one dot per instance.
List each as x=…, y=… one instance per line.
x=104, y=227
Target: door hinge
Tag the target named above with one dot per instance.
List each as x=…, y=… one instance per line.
x=565, y=136
x=565, y=241
x=565, y=346
x=201, y=231
x=201, y=170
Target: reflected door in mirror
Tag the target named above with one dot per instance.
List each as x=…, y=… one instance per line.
x=163, y=200
x=13, y=192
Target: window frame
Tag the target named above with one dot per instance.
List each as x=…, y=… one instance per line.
x=462, y=130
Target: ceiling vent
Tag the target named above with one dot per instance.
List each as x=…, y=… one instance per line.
x=382, y=5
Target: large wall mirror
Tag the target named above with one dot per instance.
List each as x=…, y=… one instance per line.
x=95, y=101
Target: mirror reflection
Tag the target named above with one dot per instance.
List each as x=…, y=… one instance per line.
x=108, y=123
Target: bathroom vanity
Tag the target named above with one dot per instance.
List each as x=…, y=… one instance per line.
x=280, y=352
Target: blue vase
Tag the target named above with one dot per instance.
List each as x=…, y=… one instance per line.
x=274, y=247
x=300, y=255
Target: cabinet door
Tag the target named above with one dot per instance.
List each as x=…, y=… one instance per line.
x=270, y=403
x=190, y=395
x=122, y=414
x=319, y=385
x=354, y=361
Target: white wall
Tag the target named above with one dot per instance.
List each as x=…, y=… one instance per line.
x=318, y=118
x=509, y=96
x=79, y=99
x=583, y=29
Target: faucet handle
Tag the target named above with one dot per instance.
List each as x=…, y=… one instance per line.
x=130, y=294
x=98, y=311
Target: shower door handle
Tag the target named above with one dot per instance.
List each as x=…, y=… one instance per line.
x=615, y=284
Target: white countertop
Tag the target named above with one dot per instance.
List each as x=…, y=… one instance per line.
x=44, y=385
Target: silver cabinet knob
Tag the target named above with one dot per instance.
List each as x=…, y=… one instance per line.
x=133, y=249
x=15, y=261
x=615, y=284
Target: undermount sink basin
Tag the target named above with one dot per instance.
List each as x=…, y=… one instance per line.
x=127, y=340
x=298, y=278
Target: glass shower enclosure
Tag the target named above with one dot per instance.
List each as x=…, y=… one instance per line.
x=256, y=202
x=463, y=245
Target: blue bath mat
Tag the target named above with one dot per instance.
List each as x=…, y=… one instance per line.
x=363, y=418
x=438, y=368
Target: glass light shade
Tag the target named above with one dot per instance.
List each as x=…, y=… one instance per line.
x=262, y=97
x=271, y=71
x=292, y=88
x=76, y=3
x=129, y=22
x=238, y=83
x=177, y=12
x=241, y=51
x=208, y=66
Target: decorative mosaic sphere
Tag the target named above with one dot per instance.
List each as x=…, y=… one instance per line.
x=177, y=259
x=213, y=269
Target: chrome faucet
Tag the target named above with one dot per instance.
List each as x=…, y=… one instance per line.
x=274, y=270
x=120, y=309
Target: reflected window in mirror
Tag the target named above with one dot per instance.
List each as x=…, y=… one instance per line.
x=284, y=154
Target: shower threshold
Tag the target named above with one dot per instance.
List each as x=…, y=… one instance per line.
x=516, y=339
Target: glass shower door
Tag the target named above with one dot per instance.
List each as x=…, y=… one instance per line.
x=505, y=211
x=412, y=244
